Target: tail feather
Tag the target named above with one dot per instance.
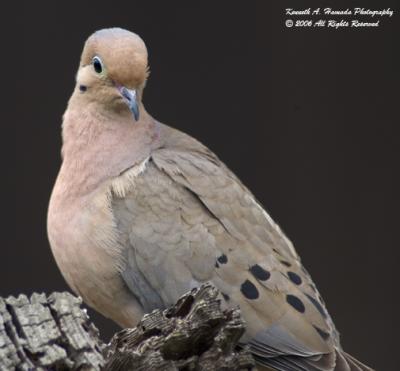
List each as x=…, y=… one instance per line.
x=352, y=363
x=341, y=362
x=338, y=360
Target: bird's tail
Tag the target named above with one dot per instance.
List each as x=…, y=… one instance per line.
x=338, y=360
x=346, y=362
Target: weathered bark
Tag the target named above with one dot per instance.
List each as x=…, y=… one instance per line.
x=194, y=334
x=47, y=333
x=54, y=333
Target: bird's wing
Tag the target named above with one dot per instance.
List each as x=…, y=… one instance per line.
x=187, y=219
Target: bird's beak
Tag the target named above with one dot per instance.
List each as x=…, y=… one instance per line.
x=131, y=100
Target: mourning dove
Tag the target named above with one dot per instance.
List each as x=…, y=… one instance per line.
x=141, y=213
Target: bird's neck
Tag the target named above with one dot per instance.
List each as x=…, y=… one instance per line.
x=99, y=145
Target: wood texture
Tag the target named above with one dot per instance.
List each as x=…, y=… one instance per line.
x=54, y=333
x=194, y=334
x=47, y=333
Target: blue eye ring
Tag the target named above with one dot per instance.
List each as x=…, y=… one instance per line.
x=97, y=64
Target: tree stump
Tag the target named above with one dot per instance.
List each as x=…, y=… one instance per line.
x=194, y=334
x=54, y=333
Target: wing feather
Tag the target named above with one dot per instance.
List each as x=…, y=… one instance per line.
x=189, y=220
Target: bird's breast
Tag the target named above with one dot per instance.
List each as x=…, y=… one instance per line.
x=84, y=243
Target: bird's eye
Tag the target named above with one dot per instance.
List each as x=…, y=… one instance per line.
x=97, y=64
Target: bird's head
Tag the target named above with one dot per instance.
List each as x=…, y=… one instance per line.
x=113, y=70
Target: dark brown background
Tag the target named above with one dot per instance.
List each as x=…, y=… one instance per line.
x=307, y=118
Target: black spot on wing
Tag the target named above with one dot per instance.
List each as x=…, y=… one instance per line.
x=295, y=278
x=284, y=262
x=325, y=335
x=216, y=265
x=259, y=272
x=276, y=251
x=249, y=290
x=296, y=303
x=223, y=259
x=317, y=305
